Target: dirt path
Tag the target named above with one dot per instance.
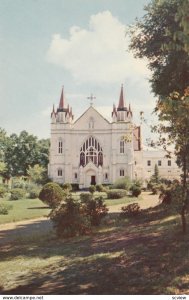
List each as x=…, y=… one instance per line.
x=12, y=232
x=147, y=201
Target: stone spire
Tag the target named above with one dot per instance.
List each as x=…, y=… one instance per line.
x=61, y=103
x=121, y=105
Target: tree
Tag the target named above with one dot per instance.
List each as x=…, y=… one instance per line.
x=160, y=36
x=36, y=173
x=173, y=113
x=52, y=194
x=25, y=150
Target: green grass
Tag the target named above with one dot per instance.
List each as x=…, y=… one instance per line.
x=143, y=255
x=24, y=209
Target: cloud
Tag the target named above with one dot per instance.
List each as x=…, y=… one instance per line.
x=97, y=54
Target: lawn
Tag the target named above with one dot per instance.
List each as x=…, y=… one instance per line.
x=24, y=209
x=34, y=208
x=143, y=255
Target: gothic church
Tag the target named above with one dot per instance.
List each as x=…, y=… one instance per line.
x=92, y=150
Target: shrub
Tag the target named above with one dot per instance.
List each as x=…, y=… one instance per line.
x=136, y=190
x=17, y=193
x=4, y=208
x=75, y=187
x=92, y=189
x=95, y=209
x=116, y=194
x=122, y=183
x=85, y=197
x=67, y=187
x=18, y=184
x=52, y=194
x=130, y=210
x=99, y=188
x=33, y=193
x=2, y=191
x=70, y=219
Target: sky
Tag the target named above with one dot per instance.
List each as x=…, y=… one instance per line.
x=80, y=44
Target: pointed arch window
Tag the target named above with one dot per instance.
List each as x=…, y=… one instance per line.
x=122, y=150
x=91, y=151
x=59, y=172
x=60, y=146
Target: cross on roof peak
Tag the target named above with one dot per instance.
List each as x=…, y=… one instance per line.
x=91, y=97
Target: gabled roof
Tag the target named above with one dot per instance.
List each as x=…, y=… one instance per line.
x=91, y=107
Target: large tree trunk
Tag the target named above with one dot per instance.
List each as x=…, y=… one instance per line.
x=183, y=217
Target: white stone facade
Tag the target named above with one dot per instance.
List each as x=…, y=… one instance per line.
x=93, y=150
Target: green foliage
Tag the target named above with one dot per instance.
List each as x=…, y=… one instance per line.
x=37, y=174
x=67, y=187
x=18, y=152
x=4, y=208
x=95, y=209
x=73, y=217
x=100, y=188
x=92, y=189
x=116, y=194
x=85, y=197
x=122, y=183
x=52, y=194
x=34, y=193
x=172, y=197
x=69, y=219
x=158, y=36
x=130, y=210
x=3, y=191
x=136, y=190
x=75, y=187
x=17, y=193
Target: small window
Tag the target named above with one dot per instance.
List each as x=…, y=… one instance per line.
x=106, y=175
x=75, y=175
x=59, y=172
x=121, y=146
x=122, y=172
x=148, y=162
x=169, y=163
x=60, y=144
x=159, y=163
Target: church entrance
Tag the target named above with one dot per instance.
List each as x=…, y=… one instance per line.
x=93, y=180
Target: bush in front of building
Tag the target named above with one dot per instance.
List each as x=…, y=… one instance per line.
x=130, y=210
x=4, y=208
x=67, y=187
x=75, y=187
x=33, y=193
x=3, y=191
x=92, y=189
x=95, y=209
x=122, y=183
x=17, y=193
x=69, y=219
x=116, y=194
x=135, y=190
x=52, y=194
x=74, y=218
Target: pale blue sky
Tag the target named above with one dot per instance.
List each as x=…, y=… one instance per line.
x=39, y=53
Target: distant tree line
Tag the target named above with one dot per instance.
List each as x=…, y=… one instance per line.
x=19, y=153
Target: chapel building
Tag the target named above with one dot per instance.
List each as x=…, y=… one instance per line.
x=92, y=150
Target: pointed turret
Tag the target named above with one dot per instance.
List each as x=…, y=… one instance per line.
x=53, y=112
x=121, y=105
x=53, y=115
x=122, y=109
x=61, y=103
x=130, y=114
x=61, y=107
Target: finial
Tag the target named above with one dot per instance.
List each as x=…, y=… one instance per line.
x=91, y=97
